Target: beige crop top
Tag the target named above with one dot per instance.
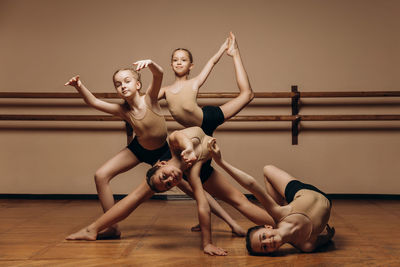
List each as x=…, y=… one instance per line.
x=183, y=106
x=151, y=130
x=314, y=206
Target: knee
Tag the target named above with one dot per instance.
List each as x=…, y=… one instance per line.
x=101, y=177
x=268, y=169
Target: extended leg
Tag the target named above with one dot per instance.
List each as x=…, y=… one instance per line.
x=117, y=213
x=121, y=162
x=246, y=94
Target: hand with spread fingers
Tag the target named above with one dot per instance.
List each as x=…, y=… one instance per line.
x=214, y=251
x=141, y=64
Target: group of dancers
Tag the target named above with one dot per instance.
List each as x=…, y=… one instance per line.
x=293, y=212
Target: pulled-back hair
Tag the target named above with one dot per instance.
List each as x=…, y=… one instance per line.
x=135, y=74
x=250, y=231
x=149, y=177
x=183, y=49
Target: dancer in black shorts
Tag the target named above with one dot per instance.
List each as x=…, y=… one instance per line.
x=300, y=211
x=189, y=148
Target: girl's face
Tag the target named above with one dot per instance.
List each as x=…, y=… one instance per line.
x=166, y=177
x=126, y=84
x=265, y=240
x=181, y=64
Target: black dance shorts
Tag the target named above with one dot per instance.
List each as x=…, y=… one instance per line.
x=294, y=186
x=145, y=155
x=212, y=118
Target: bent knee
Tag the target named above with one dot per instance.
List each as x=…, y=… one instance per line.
x=268, y=169
x=101, y=177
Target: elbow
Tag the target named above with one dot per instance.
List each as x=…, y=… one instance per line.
x=251, y=95
x=172, y=137
x=158, y=76
x=308, y=248
x=248, y=94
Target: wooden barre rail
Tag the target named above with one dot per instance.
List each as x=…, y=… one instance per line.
x=295, y=118
x=390, y=117
x=216, y=95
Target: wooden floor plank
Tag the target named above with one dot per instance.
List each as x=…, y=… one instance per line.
x=158, y=233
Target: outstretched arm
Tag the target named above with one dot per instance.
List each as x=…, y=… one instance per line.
x=246, y=181
x=154, y=88
x=203, y=210
x=91, y=100
x=201, y=78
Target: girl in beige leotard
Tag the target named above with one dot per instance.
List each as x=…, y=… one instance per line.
x=182, y=103
x=143, y=112
x=189, y=148
x=300, y=223
x=181, y=95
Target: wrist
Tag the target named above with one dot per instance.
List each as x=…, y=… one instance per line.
x=220, y=161
x=235, y=53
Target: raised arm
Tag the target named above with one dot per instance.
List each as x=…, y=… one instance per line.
x=203, y=210
x=247, y=181
x=153, y=90
x=201, y=78
x=91, y=100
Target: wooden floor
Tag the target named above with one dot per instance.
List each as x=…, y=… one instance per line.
x=157, y=234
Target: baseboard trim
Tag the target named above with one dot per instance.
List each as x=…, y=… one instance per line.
x=181, y=197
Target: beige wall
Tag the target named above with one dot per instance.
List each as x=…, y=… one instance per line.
x=319, y=45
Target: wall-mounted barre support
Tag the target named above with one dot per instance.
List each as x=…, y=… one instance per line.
x=295, y=112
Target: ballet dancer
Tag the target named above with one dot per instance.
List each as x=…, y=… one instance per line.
x=143, y=112
x=189, y=149
x=300, y=211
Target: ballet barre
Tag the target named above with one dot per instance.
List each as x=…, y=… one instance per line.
x=295, y=118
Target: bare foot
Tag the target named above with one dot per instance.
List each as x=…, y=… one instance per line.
x=84, y=234
x=196, y=228
x=232, y=45
x=109, y=233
